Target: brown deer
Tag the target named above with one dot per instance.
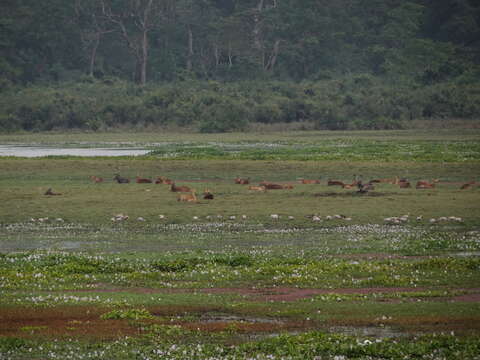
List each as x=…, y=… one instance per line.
x=96, y=179
x=271, y=186
x=307, y=181
x=426, y=184
x=140, y=180
x=207, y=195
x=467, y=185
x=335, y=182
x=163, y=180
x=121, y=180
x=188, y=197
x=242, y=181
x=404, y=184
x=393, y=181
x=257, y=188
x=50, y=192
x=175, y=188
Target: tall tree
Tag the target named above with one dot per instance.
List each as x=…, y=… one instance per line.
x=135, y=19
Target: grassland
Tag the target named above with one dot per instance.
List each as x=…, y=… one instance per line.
x=222, y=278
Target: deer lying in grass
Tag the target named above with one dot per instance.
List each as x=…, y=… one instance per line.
x=467, y=185
x=307, y=181
x=273, y=186
x=207, y=195
x=393, y=181
x=404, y=184
x=50, y=192
x=96, y=179
x=140, y=180
x=175, y=188
x=188, y=197
x=242, y=181
x=121, y=180
x=335, y=182
x=163, y=180
x=426, y=184
x=257, y=188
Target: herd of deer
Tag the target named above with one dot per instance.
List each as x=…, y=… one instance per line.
x=190, y=193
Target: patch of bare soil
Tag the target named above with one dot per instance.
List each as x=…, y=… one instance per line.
x=74, y=321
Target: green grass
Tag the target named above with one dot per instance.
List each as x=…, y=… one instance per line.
x=164, y=267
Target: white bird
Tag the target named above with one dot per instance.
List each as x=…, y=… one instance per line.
x=161, y=216
x=195, y=218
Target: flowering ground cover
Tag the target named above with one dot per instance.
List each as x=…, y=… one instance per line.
x=126, y=271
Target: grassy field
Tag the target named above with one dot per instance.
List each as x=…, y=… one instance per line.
x=334, y=274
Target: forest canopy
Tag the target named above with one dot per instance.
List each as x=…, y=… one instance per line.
x=218, y=65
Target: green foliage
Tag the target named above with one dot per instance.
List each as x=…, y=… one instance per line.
x=353, y=102
x=128, y=314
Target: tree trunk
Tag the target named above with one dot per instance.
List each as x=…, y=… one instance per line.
x=93, y=54
x=273, y=58
x=190, y=49
x=144, y=58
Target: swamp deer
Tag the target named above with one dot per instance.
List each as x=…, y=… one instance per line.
x=307, y=181
x=175, y=188
x=467, y=185
x=140, y=180
x=163, y=180
x=96, y=179
x=242, y=181
x=50, y=192
x=257, y=188
x=207, y=195
x=393, y=181
x=121, y=180
x=426, y=184
x=335, y=182
x=188, y=197
x=404, y=184
x=272, y=186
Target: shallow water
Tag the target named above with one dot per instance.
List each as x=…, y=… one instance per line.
x=39, y=151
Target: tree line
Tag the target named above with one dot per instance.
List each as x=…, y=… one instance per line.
x=158, y=45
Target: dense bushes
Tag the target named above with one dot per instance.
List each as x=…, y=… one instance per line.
x=355, y=102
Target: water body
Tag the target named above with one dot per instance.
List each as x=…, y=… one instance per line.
x=40, y=151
